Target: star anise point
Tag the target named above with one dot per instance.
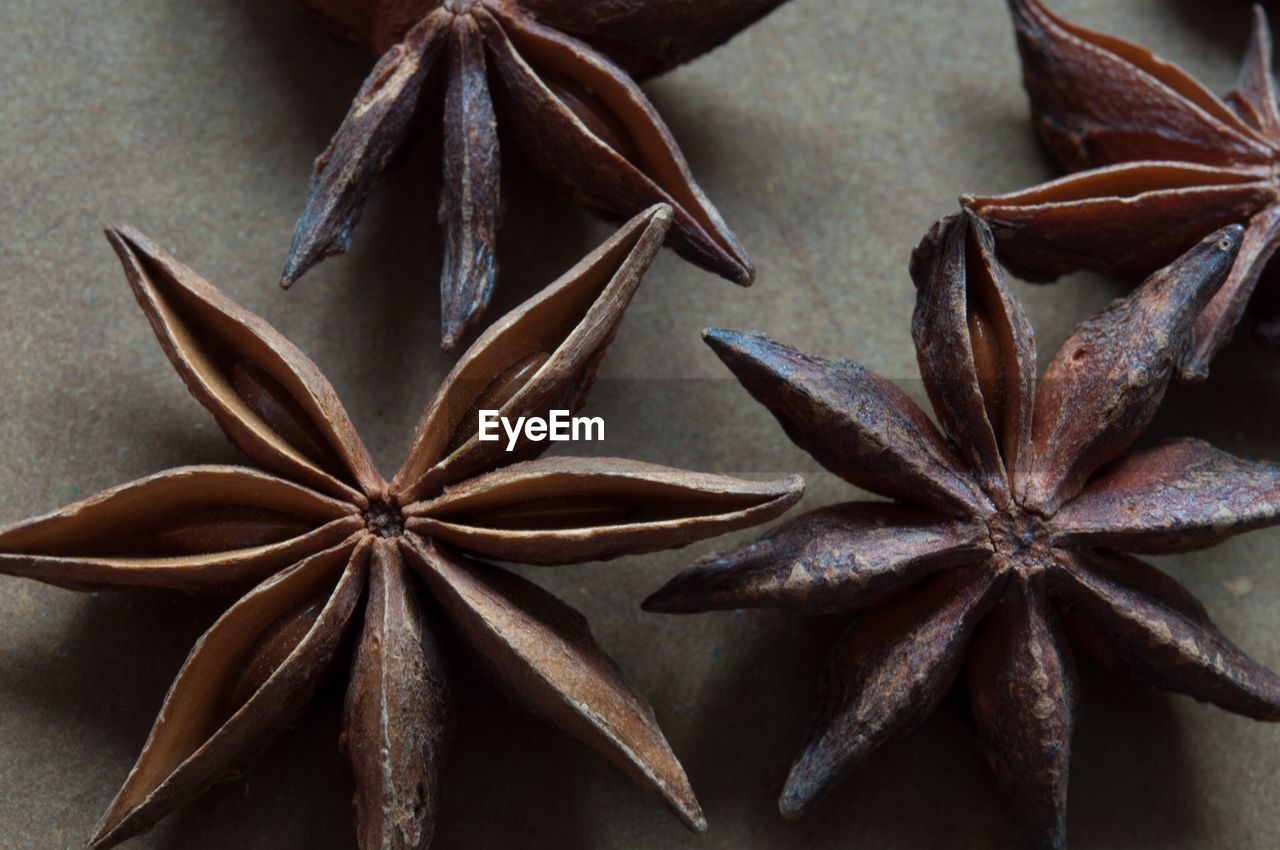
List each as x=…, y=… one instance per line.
x=549, y=72
x=1155, y=162
x=1009, y=536
x=323, y=544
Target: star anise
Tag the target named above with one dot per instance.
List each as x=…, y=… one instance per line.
x=315, y=535
x=1162, y=162
x=1010, y=538
x=576, y=115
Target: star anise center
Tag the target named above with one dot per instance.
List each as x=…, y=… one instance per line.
x=460, y=7
x=384, y=519
x=1020, y=539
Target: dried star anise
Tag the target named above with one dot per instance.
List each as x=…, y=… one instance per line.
x=316, y=535
x=1162, y=163
x=1010, y=537
x=575, y=113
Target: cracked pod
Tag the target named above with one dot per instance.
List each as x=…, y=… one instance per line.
x=1158, y=162
x=316, y=545
x=1011, y=536
x=558, y=77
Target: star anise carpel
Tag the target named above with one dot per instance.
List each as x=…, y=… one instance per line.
x=1012, y=532
x=1158, y=162
x=557, y=74
x=319, y=545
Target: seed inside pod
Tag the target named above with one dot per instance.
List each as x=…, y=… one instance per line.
x=269, y=651
x=274, y=405
x=224, y=528
x=592, y=112
x=990, y=368
x=555, y=512
x=499, y=391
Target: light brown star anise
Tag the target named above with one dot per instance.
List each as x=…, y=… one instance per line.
x=314, y=536
x=1162, y=162
x=1010, y=538
x=576, y=114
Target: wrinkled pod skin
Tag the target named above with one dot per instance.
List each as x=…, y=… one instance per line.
x=317, y=547
x=1011, y=537
x=558, y=77
x=1156, y=162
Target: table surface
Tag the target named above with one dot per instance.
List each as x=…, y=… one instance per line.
x=830, y=136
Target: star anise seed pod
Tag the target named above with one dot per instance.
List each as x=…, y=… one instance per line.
x=1161, y=162
x=576, y=115
x=1010, y=537
x=314, y=536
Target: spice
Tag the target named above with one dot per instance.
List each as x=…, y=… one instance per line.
x=1161, y=163
x=313, y=537
x=1011, y=538
x=560, y=70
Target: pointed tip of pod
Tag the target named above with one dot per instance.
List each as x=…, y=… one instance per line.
x=723, y=340
x=133, y=246
x=793, y=802
x=748, y=352
x=1260, y=19
x=311, y=245
x=130, y=244
x=1220, y=249
x=680, y=595
x=449, y=338
x=453, y=329
x=812, y=776
x=660, y=213
x=970, y=215
x=724, y=256
x=107, y=833
x=744, y=271
x=1193, y=370
x=294, y=268
x=714, y=335
x=1228, y=238
x=658, y=219
x=1205, y=267
x=121, y=236
x=693, y=818
x=791, y=487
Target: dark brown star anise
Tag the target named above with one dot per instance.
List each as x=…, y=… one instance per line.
x=1010, y=537
x=575, y=113
x=316, y=535
x=1162, y=162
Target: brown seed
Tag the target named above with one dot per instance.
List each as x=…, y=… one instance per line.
x=327, y=540
x=592, y=112
x=270, y=650
x=1158, y=163
x=282, y=414
x=554, y=512
x=224, y=528
x=990, y=367
x=495, y=395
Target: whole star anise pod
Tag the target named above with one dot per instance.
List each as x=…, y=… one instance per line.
x=1010, y=538
x=1162, y=162
x=314, y=537
x=576, y=114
